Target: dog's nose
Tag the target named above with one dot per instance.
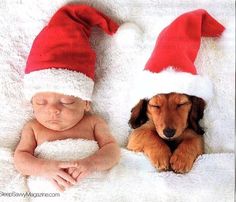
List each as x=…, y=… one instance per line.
x=169, y=132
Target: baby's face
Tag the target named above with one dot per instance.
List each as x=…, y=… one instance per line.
x=58, y=112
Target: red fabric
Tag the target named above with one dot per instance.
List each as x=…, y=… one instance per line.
x=64, y=42
x=178, y=44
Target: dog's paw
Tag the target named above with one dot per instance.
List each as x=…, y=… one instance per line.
x=134, y=143
x=134, y=147
x=161, y=160
x=181, y=163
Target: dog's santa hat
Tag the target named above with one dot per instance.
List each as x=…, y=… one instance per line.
x=61, y=59
x=171, y=66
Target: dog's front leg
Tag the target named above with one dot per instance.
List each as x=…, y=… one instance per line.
x=186, y=153
x=152, y=145
x=158, y=152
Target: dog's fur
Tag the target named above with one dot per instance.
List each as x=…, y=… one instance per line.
x=176, y=116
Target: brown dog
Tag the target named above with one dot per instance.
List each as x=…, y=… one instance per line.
x=167, y=130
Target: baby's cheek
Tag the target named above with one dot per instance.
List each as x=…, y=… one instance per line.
x=38, y=113
x=39, y=110
x=74, y=114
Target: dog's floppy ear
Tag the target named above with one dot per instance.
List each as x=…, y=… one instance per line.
x=196, y=114
x=138, y=114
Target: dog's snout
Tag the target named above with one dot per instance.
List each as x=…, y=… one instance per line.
x=169, y=132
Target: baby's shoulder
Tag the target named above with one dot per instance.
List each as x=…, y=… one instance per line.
x=94, y=119
x=31, y=124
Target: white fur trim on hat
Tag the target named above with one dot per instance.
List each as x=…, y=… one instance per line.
x=62, y=81
x=169, y=80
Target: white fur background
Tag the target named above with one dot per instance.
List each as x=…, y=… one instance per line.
x=116, y=67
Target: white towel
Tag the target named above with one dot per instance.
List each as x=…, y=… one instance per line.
x=135, y=179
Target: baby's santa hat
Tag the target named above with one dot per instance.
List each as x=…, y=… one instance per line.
x=171, y=66
x=61, y=59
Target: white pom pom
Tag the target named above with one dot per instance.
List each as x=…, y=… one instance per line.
x=128, y=35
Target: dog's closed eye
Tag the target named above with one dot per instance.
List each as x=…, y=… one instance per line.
x=156, y=106
x=182, y=104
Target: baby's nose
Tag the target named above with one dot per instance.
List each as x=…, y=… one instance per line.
x=54, y=109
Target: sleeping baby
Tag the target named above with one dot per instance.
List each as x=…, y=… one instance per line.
x=59, y=80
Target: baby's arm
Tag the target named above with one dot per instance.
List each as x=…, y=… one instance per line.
x=27, y=164
x=106, y=157
x=109, y=153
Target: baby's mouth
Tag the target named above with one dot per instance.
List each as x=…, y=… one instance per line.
x=53, y=121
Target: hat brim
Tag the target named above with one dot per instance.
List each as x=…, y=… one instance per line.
x=61, y=81
x=169, y=80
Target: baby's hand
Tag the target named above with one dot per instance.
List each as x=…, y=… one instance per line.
x=82, y=170
x=55, y=171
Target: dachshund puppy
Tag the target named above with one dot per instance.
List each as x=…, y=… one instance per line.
x=167, y=130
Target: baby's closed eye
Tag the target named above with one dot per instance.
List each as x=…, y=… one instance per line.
x=67, y=101
x=40, y=102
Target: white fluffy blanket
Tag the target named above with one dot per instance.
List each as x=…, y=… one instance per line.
x=134, y=178
x=212, y=177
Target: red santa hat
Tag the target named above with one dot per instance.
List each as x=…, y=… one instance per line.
x=61, y=59
x=171, y=66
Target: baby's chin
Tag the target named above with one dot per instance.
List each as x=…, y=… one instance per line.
x=57, y=126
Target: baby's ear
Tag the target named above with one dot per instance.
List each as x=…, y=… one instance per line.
x=87, y=106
